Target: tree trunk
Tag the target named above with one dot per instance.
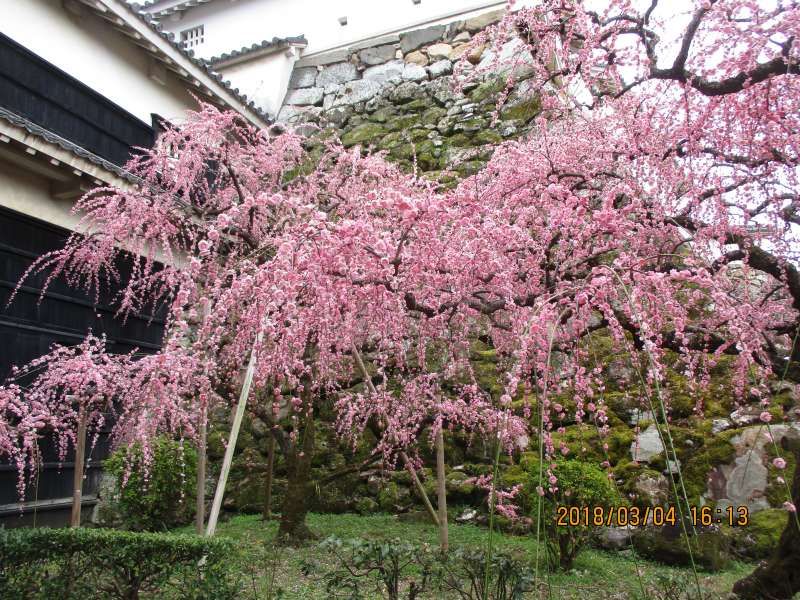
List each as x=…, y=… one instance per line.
x=293, y=528
x=267, y=509
x=441, y=491
x=779, y=577
x=200, y=515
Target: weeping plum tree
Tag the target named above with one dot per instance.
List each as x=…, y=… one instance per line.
x=656, y=199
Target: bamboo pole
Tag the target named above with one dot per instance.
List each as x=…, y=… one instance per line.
x=235, y=427
x=77, y=477
x=267, y=512
x=441, y=500
x=406, y=461
x=200, y=515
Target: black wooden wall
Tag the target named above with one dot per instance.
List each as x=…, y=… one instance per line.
x=33, y=88
x=28, y=327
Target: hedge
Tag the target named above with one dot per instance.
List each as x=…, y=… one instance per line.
x=44, y=563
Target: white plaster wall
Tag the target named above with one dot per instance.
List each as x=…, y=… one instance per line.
x=264, y=79
x=93, y=52
x=28, y=193
x=232, y=24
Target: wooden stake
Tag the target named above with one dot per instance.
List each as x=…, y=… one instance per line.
x=267, y=512
x=77, y=477
x=441, y=490
x=200, y=515
x=237, y=424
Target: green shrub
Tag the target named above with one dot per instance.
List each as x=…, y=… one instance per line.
x=40, y=564
x=461, y=574
x=580, y=484
x=159, y=496
x=397, y=569
x=363, y=566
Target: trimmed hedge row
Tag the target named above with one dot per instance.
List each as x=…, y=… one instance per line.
x=42, y=563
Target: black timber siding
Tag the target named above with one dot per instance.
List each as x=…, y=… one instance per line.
x=44, y=94
x=28, y=327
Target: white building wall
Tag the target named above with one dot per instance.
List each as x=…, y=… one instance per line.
x=264, y=79
x=97, y=55
x=29, y=193
x=232, y=24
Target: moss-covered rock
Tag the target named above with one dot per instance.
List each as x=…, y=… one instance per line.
x=366, y=506
x=366, y=132
x=524, y=110
x=759, y=538
x=709, y=547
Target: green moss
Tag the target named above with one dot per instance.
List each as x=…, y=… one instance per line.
x=417, y=105
x=460, y=140
x=391, y=140
x=368, y=132
x=716, y=450
x=487, y=89
x=524, y=111
x=366, y=506
x=432, y=116
x=389, y=496
x=487, y=136
x=470, y=167
x=759, y=538
x=402, y=151
x=382, y=115
x=403, y=123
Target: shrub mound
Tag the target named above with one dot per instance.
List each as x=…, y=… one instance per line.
x=40, y=564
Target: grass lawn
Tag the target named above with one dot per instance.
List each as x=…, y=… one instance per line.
x=597, y=574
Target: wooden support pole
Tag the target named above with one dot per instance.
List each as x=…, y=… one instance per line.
x=267, y=509
x=235, y=427
x=77, y=477
x=441, y=490
x=200, y=515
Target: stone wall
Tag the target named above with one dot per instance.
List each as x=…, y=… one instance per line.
x=398, y=95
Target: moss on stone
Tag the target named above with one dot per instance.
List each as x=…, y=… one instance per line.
x=524, y=111
x=432, y=116
x=487, y=89
x=404, y=123
x=487, y=136
x=367, y=132
x=759, y=538
x=391, y=140
x=384, y=114
x=716, y=450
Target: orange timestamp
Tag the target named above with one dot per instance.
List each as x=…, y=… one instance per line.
x=624, y=516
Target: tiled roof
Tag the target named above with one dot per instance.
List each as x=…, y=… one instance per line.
x=65, y=144
x=177, y=8
x=275, y=42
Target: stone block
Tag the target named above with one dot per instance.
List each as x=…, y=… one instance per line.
x=439, y=51
x=416, y=39
x=480, y=22
x=390, y=72
x=377, y=55
x=414, y=72
x=440, y=68
x=354, y=92
x=303, y=77
x=406, y=92
x=337, y=74
x=417, y=58
x=304, y=96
